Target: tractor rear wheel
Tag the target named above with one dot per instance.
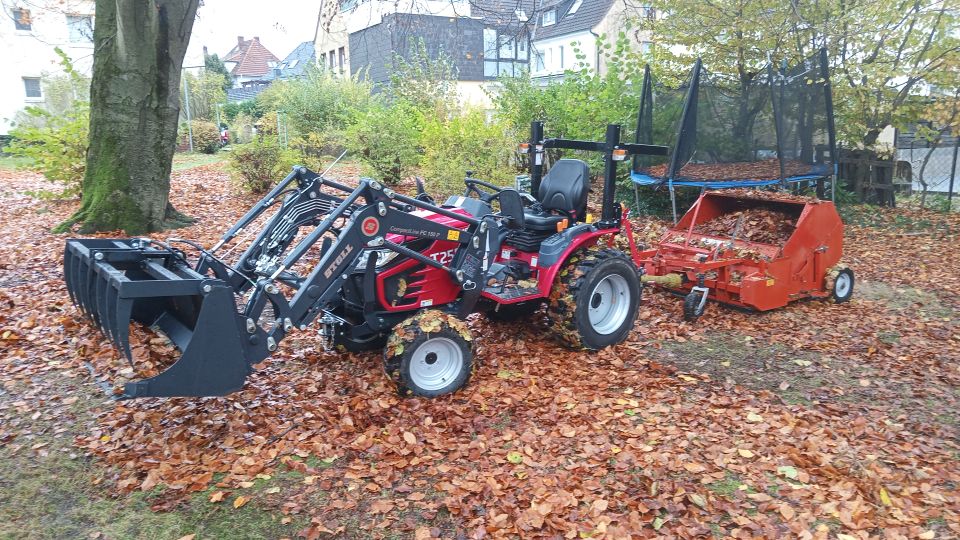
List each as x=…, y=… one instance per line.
x=594, y=299
x=429, y=354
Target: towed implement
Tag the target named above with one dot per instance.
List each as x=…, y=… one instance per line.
x=371, y=268
x=757, y=251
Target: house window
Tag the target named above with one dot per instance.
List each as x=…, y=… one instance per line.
x=332, y=60
x=31, y=86
x=490, y=68
x=647, y=12
x=489, y=43
x=561, y=58
x=342, y=57
x=646, y=47
x=539, y=62
x=576, y=5
x=506, y=49
x=550, y=17
x=522, y=49
x=21, y=19
x=81, y=28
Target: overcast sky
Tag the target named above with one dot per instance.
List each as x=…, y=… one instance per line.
x=281, y=25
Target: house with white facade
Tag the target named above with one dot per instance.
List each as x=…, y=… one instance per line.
x=566, y=27
x=482, y=40
x=30, y=33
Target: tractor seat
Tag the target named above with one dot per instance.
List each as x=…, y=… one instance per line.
x=562, y=195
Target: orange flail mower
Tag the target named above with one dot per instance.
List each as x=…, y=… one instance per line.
x=757, y=251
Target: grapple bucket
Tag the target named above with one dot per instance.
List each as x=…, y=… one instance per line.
x=115, y=282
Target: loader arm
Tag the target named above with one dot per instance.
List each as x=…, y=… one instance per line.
x=119, y=280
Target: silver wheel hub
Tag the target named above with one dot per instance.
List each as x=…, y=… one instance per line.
x=436, y=363
x=609, y=304
x=842, y=286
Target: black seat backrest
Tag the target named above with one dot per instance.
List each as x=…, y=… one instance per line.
x=565, y=187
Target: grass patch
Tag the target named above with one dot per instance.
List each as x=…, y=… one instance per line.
x=189, y=160
x=726, y=487
x=903, y=299
x=55, y=497
x=10, y=163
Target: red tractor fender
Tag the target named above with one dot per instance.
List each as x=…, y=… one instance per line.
x=587, y=239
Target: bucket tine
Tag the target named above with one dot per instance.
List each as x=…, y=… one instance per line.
x=83, y=284
x=100, y=302
x=87, y=288
x=68, y=263
x=122, y=309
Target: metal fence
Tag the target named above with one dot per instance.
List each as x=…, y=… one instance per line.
x=928, y=166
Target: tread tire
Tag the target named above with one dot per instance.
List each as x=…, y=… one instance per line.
x=568, y=308
x=413, y=333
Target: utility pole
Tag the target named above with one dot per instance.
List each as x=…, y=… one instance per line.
x=186, y=105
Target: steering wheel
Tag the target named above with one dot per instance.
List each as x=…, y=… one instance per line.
x=474, y=185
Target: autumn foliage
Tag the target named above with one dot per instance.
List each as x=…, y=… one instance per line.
x=812, y=421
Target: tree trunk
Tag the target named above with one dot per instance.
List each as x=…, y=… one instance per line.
x=134, y=109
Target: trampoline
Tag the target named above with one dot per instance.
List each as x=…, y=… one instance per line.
x=777, y=129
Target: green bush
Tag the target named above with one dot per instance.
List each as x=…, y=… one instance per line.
x=386, y=140
x=463, y=143
x=55, y=145
x=206, y=136
x=316, y=150
x=249, y=108
x=317, y=102
x=258, y=165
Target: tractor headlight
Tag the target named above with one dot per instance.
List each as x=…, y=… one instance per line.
x=384, y=256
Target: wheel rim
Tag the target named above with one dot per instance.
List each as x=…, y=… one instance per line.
x=436, y=363
x=842, y=287
x=609, y=304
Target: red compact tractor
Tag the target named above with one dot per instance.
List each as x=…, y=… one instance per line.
x=757, y=251
x=372, y=269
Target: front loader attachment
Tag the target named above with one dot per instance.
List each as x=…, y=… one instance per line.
x=116, y=281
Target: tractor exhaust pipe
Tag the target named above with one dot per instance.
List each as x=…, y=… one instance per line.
x=115, y=282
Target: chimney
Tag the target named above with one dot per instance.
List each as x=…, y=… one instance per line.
x=256, y=38
x=239, y=40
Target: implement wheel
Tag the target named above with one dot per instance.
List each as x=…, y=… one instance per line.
x=594, y=299
x=840, y=284
x=692, y=310
x=429, y=354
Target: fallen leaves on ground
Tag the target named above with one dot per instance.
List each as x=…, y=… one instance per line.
x=609, y=444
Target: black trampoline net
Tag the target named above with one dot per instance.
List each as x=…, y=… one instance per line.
x=661, y=106
x=773, y=125
x=806, y=126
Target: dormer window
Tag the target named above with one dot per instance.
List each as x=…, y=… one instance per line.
x=550, y=17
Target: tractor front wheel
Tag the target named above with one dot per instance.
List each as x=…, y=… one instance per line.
x=429, y=355
x=594, y=299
